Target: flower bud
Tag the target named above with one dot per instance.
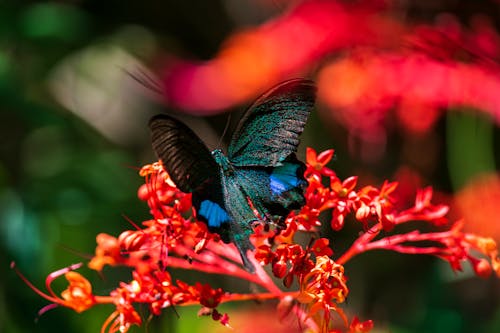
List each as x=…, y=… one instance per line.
x=482, y=268
x=279, y=269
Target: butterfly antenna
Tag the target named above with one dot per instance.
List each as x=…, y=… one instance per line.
x=75, y=252
x=226, y=128
x=146, y=80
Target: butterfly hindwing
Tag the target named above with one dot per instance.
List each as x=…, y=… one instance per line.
x=287, y=184
x=274, y=191
x=210, y=208
x=269, y=131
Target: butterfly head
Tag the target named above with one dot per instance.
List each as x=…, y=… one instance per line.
x=222, y=161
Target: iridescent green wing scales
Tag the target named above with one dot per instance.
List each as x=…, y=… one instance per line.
x=263, y=148
x=269, y=131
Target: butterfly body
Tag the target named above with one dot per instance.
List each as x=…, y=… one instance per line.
x=260, y=179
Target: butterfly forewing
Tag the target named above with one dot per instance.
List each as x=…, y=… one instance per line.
x=269, y=131
x=184, y=156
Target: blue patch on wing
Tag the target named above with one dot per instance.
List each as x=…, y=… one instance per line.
x=213, y=213
x=284, y=178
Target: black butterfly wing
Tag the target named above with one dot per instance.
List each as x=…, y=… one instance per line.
x=193, y=169
x=184, y=156
x=269, y=131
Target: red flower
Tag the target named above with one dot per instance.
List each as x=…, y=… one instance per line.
x=78, y=296
x=343, y=189
x=323, y=288
x=343, y=199
x=321, y=247
x=264, y=254
x=209, y=297
x=107, y=252
x=424, y=208
x=316, y=164
x=377, y=205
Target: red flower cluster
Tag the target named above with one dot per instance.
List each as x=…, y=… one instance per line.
x=174, y=239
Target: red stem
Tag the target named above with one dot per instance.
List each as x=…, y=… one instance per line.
x=359, y=245
x=210, y=262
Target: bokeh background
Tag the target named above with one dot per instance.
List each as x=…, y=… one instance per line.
x=79, y=80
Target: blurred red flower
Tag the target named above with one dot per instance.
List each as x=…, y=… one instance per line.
x=478, y=203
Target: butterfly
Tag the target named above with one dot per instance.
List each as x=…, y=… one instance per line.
x=260, y=178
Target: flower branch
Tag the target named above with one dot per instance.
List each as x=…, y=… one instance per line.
x=174, y=239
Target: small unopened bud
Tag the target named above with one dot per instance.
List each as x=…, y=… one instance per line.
x=279, y=269
x=482, y=268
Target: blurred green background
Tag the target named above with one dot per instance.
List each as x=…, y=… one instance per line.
x=73, y=133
